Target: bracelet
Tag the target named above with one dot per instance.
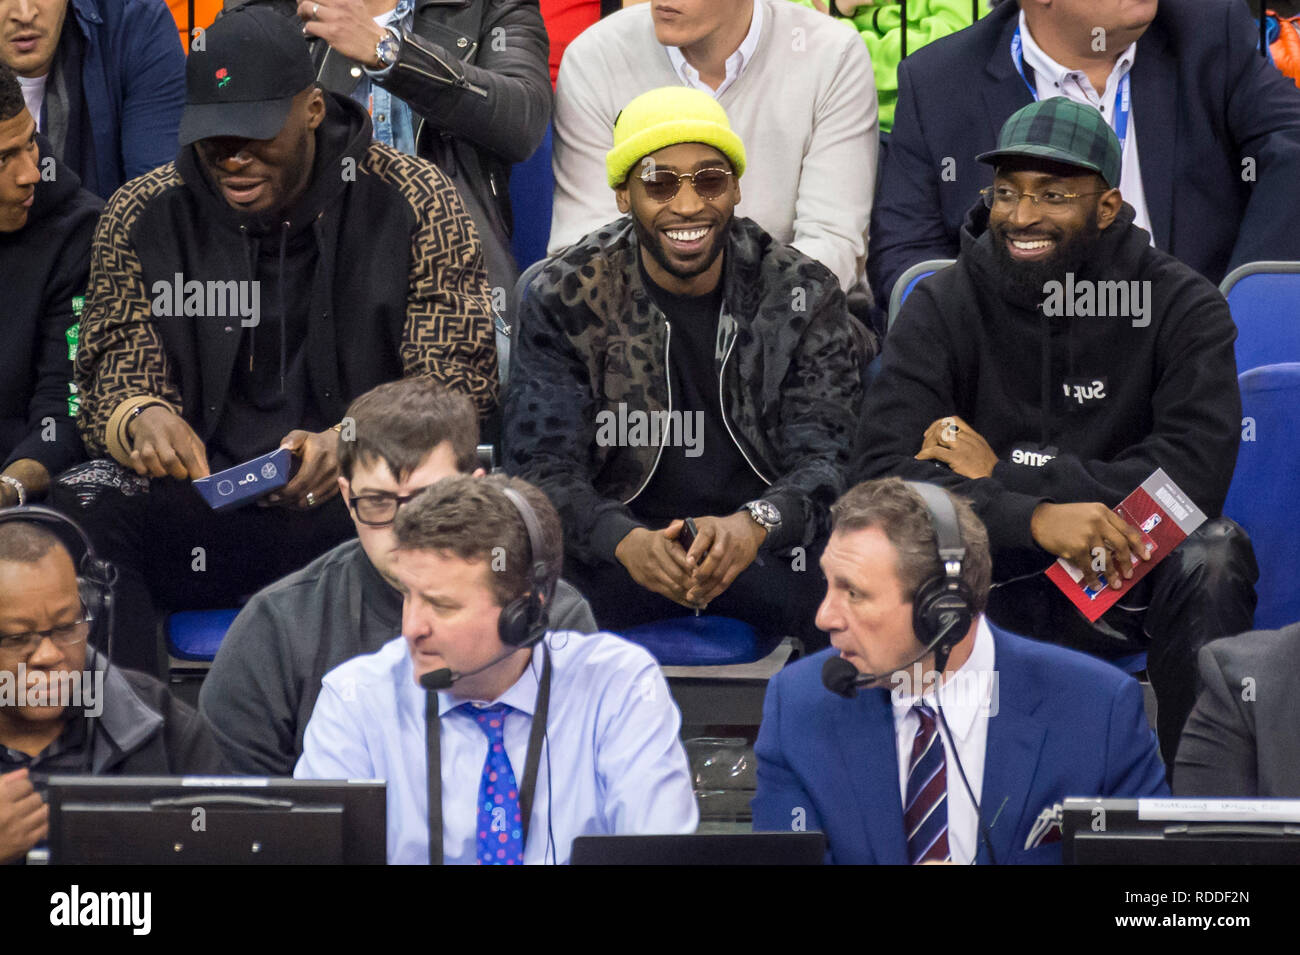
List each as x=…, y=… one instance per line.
x=124, y=429
x=17, y=485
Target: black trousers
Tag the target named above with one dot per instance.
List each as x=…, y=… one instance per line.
x=1203, y=590
x=173, y=552
x=778, y=598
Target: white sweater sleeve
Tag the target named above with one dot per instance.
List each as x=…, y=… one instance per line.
x=838, y=177
x=583, y=133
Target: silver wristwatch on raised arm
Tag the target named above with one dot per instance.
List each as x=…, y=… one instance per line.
x=389, y=47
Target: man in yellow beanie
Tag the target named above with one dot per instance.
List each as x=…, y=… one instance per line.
x=680, y=363
x=797, y=85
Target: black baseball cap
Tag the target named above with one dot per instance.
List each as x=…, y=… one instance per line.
x=253, y=63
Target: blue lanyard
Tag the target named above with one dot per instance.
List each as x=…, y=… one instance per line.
x=1122, y=102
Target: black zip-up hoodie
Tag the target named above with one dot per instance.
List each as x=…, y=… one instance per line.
x=1093, y=404
x=591, y=340
x=43, y=269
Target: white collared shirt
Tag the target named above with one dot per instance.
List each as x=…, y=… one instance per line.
x=968, y=698
x=34, y=96
x=735, y=63
x=1053, y=79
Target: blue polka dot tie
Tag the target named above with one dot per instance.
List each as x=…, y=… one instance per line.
x=500, y=827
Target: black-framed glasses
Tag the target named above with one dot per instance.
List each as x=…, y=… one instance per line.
x=64, y=635
x=379, y=510
x=661, y=185
x=1006, y=197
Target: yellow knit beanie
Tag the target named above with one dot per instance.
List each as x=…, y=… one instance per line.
x=666, y=117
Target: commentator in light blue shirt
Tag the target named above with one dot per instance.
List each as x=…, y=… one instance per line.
x=611, y=760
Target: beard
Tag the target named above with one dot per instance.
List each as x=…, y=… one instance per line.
x=1024, y=281
x=652, y=241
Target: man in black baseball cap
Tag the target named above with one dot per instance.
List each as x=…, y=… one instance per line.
x=240, y=298
x=1046, y=375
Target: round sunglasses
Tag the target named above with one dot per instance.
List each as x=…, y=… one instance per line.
x=661, y=185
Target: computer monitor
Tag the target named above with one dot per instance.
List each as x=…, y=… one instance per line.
x=756, y=848
x=202, y=820
x=1180, y=831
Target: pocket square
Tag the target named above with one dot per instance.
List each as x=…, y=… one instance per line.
x=1047, y=827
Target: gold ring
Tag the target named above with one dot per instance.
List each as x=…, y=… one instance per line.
x=311, y=499
x=315, y=9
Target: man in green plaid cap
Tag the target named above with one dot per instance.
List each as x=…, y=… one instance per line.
x=1050, y=371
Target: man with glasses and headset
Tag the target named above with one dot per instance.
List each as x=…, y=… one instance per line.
x=398, y=439
x=1051, y=371
x=681, y=363
x=62, y=708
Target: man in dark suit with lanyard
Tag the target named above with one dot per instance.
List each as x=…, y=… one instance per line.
x=1210, y=129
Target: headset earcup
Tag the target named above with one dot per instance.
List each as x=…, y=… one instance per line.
x=518, y=621
x=936, y=600
x=92, y=597
x=921, y=620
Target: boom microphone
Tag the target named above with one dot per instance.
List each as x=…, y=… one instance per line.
x=438, y=679
x=842, y=677
x=443, y=678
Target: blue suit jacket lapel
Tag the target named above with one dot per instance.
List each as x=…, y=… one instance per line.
x=1006, y=94
x=871, y=764
x=1155, y=112
x=1015, y=742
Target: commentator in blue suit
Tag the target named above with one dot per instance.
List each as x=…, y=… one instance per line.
x=893, y=775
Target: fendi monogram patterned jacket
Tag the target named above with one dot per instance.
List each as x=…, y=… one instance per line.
x=398, y=287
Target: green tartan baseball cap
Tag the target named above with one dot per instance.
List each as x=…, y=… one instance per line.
x=1063, y=131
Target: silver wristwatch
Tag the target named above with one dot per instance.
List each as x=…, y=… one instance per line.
x=17, y=485
x=764, y=514
x=389, y=47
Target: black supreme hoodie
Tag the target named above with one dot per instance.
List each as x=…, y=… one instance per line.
x=43, y=270
x=1082, y=389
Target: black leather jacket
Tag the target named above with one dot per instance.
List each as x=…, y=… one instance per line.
x=474, y=72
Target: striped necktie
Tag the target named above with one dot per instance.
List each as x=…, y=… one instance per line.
x=925, y=815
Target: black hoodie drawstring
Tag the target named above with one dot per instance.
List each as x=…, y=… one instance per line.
x=250, y=257
x=250, y=253
x=1043, y=411
x=284, y=316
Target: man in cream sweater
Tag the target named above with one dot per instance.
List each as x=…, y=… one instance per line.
x=796, y=85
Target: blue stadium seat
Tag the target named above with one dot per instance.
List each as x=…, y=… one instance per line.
x=907, y=281
x=1264, y=298
x=532, y=194
x=196, y=635
x=1134, y=663
x=1266, y=486
x=706, y=640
